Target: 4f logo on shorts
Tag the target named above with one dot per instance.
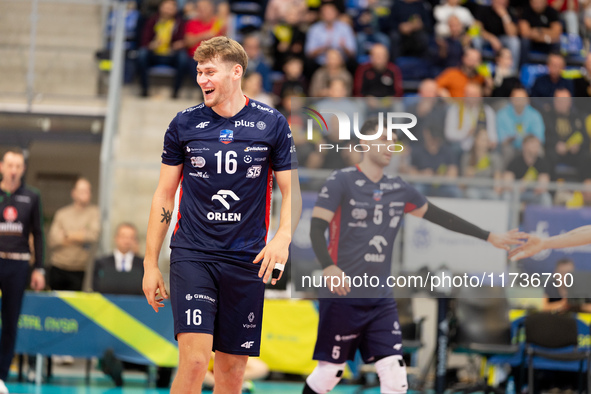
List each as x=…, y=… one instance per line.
x=247, y=344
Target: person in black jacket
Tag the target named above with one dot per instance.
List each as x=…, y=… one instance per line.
x=20, y=216
x=122, y=273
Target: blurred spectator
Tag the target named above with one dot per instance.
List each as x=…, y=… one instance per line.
x=279, y=11
x=434, y=158
x=467, y=116
x=72, y=240
x=256, y=60
x=330, y=33
x=531, y=168
x=204, y=26
x=334, y=68
x=367, y=29
x=556, y=297
x=163, y=44
x=517, y=120
x=539, y=28
x=566, y=139
x=505, y=78
x=21, y=222
x=411, y=28
x=337, y=99
x=430, y=110
x=122, y=273
x=568, y=11
x=450, y=8
x=452, y=81
x=484, y=163
x=546, y=84
x=293, y=81
x=582, y=85
x=450, y=49
x=288, y=40
x=379, y=77
x=498, y=27
x=252, y=86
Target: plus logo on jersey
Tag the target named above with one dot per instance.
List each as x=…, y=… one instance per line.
x=226, y=136
x=242, y=123
x=221, y=196
x=202, y=125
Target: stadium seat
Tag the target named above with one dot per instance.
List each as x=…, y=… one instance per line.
x=552, y=343
x=482, y=327
x=414, y=68
x=529, y=73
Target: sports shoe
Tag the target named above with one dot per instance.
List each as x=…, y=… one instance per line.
x=3, y=388
x=113, y=367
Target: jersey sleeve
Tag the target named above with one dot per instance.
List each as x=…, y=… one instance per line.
x=332, y=193
x=414, y=199
x=172, y=153
x=284, y=155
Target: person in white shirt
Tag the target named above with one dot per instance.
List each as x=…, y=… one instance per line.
x=450, y=8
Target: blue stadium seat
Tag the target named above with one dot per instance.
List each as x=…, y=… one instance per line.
x=414, y=68
x=529, y=73
x=162, y=71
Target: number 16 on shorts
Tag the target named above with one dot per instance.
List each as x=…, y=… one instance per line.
x=193, y=317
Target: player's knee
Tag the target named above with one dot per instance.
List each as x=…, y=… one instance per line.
x=195, y=364
x=325, y=377
x=392, y=373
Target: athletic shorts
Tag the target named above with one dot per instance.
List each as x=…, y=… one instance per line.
x=221, y=299
x=344, y=327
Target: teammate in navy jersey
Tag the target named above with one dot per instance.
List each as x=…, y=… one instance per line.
x=224, y=153
x=364, y=208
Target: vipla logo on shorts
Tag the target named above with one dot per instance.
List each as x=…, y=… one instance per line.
x=345, y=127
x=242, y=123
x=226, y=136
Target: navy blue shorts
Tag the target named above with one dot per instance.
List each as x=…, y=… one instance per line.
x=345, y=327
x=221, y=299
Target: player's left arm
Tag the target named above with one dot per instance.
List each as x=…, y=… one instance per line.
x=448, y=220
x=277, y=250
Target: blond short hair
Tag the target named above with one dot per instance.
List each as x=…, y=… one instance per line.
x=223, y=48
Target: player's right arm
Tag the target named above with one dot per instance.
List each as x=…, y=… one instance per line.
x=321, y=218
x=577, y=237
x=454, y=223
x=160, y=217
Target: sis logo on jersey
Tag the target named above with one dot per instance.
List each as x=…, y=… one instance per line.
x=226, y=136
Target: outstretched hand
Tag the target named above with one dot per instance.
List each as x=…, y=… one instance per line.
x=532, y=247
x=506, y=240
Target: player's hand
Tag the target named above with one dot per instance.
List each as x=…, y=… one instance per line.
x=506, y=240
x=334, y=271
x=154, y=289
x=534, y=245
x=37, y=280
x=276, y=251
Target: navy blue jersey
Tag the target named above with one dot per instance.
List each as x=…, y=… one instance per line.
x=226, y=184
x=366, y=221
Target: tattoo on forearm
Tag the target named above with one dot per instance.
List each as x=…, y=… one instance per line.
x=166, y=216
